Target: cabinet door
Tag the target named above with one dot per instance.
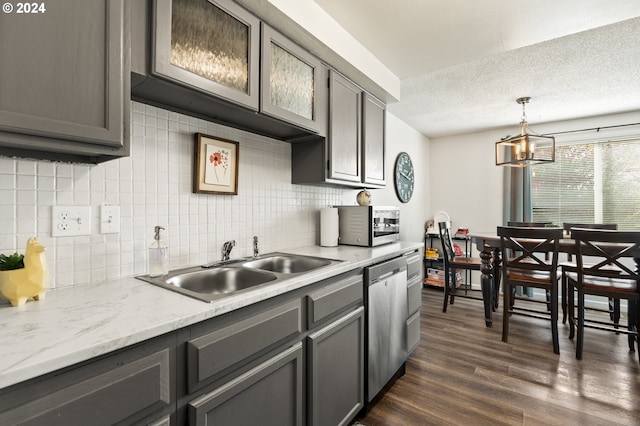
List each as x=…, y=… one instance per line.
x=336, y=371
x=211, y=46
x=117, y=390
x=373, y=148
x=290, y=81
x=413, y=332
x=268, y=395
x=344, y=129
x=64, y=80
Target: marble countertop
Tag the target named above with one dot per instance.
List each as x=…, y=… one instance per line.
x=75, y=324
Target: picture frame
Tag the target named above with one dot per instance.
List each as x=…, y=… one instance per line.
x=216, y=165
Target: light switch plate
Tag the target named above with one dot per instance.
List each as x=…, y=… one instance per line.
x=109, y=219
x=69, y=221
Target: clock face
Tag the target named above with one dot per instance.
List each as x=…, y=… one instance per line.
x=404, y=177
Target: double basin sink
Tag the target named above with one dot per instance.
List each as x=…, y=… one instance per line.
x=218, y=280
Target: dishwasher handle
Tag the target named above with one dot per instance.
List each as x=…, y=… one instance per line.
x=385, y=269
x=388, y=274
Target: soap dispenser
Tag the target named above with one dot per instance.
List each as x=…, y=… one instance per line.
x=158, y=255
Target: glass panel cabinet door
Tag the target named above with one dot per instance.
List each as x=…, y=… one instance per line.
x=211, y=46
x=290, y=81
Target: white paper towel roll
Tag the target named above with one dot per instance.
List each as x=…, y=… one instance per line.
x=329, y=227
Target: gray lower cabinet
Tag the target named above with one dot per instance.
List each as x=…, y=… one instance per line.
x=249, y=334
x=294, y=359
x=336, y=371
x=268, y=395
x=414, y=299
x=132, y=387
x=66, y=87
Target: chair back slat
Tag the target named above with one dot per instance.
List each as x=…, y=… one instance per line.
x=567, y=226
x=600, y=253
x=529, y=224
x=446, y=241
x=527, y=248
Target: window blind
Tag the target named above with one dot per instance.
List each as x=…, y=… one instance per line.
x=589, y=183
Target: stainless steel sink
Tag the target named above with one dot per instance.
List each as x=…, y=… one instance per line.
x=211, y=284
x=220, y=280
x=287, y=263
x=217, y=280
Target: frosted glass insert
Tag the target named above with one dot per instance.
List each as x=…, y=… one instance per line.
x=291, y=83
x=209, y=42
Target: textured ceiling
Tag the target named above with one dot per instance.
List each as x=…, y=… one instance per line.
x=463, y=64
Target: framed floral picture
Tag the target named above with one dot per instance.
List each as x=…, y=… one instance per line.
x=216, y=166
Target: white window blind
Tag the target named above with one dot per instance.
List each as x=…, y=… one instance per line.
x=589, y=183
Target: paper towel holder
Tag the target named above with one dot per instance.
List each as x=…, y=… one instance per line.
x=329, y=226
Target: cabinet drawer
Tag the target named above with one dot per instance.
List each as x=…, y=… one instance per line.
x=414, y=295
x=327, y=301
x=127, y=392
x=414, y=265
x=413, y=332
x=269, y=394
x=219, y=351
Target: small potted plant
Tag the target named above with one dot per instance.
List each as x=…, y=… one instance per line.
x=9, y=263
x=24, y=276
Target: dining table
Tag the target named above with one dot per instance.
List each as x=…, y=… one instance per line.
x=488, y=245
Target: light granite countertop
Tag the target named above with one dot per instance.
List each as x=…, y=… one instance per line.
x=75, y=324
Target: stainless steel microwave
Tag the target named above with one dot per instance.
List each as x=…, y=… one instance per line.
x=368, y=226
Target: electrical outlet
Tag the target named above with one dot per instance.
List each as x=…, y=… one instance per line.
x=68, y=221
x=109, y=219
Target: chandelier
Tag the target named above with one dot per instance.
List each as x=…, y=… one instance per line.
x=527, y=148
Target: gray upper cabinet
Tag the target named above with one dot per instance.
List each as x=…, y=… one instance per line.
x=353, y=153
x=64, y=82
x=203, y=58
x=290, y=82
x=213, y=47
x=373, y=147
x=344, y=129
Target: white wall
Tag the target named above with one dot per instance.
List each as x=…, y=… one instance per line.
x=468, y=185
x=413, y=215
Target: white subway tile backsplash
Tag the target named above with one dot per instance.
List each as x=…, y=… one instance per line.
x=154, y=187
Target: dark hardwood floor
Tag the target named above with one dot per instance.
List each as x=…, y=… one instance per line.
x=463, y=374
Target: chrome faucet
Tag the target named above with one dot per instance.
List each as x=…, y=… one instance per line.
x=256, y=252
x=226, y=249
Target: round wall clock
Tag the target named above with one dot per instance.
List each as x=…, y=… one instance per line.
x=404, y=177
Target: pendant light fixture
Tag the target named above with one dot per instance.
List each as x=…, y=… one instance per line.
x=527, y=148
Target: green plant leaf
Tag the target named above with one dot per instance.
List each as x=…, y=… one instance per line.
x=14, y=261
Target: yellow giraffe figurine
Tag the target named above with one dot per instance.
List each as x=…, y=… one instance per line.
x=18, y=285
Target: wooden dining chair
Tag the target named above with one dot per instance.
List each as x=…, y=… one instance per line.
x=601, y=271
x=530, y=259
x=570, y=265
x=524, y=290
x=453, y=263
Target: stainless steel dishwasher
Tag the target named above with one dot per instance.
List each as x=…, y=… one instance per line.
x=386, y=307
